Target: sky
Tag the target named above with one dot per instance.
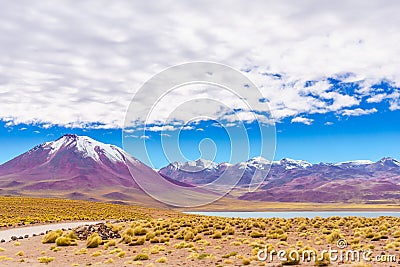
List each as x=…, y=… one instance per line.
x=324, y=76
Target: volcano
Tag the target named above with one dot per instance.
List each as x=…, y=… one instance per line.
x=79, y=167
x=76, y=167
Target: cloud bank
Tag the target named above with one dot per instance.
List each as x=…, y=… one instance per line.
x=78, y=64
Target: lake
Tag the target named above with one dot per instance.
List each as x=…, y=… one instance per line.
x=293, y=214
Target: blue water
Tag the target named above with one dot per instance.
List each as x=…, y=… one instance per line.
x=293, y=214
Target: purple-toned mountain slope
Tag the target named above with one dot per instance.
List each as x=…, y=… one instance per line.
x=296, y=180
x=79, y=167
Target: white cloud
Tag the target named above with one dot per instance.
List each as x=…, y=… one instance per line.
x=75, y=64
x=157, y=128
x=358, y=111
x=306, y=121
x=144, y=137
x=376, y=98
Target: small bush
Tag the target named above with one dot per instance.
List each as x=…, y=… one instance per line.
x=63, y=241
x=141, y=257
x=93, y=241
x=162, y=260
x=81, y=251
x=121, y=254
x=231, y=254
x=138, y=242
x=217, y=235
x=139, y=231
x=51, y=237
x=109, y=261
x=20, y=253
x=97, y=253
x=256, y=234
x=45, y=259
x=189, y=235
x=323, y=261
x=246, y=261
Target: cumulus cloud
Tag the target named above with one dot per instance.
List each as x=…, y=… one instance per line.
x=358, y=111
x=303, y=120
x=78, y=64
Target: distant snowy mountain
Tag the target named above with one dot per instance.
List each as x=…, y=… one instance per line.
x=298, y=180
x=80, y=167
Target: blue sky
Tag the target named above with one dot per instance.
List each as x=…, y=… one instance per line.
x=327, y=77
x=370, y=136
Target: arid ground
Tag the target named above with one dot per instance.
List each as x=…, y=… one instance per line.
x=152, y=237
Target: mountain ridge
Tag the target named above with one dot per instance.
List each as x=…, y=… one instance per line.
x=291, y=180
x=80, y=167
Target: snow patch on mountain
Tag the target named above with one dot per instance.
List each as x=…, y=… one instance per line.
x=292, y=163
x=354, y=162
x=88, y=147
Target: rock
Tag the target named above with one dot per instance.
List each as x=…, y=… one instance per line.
x=2, y=241
x=26, y=236
x=13, y=238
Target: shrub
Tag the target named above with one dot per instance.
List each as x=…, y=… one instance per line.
x=20, y=253
x=93, y=241
x=323, y=261
x=139, y=230
x=376, y=237
x=334, y=236
x=150, y=235
x=45, y=259
x=141, y=257
x=109, y=243
x=291, y=259
x=97, y=253
x=121, y=254
x=126, y=239
x=63, y=241
x=203, y=256
x=256, y=234
x=217, y=235
x=138, y=242
x=231, y=254
x=396, y=234
x=162, y=260
x=51, y=237
x=155, y=240
x=109, y=261
x=71, y=235
x=189, y=235
x=81, y=251
x=246, y=261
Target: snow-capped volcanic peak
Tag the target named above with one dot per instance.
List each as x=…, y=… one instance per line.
x=292, y=163
x=389, y=161
x=88, y=147
x=196, y=165
x=202, y=163
x=256, y=162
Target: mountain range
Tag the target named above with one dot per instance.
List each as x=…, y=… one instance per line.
x=78, y=167
x=290, y=180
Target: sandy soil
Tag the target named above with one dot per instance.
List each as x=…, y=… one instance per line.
x=211, y=249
